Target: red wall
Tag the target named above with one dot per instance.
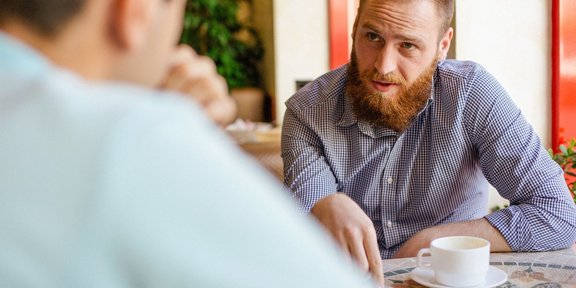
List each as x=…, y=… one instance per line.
x=563, y=71
x=338, y=26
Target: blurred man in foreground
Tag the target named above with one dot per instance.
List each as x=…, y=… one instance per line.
x=105, y=184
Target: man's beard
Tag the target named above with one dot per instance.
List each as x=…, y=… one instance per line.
x=392, y=111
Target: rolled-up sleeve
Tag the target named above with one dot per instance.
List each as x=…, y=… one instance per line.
x=306, y=172
x=542, y=215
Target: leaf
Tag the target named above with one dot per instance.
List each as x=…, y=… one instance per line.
x=210, y=27
x=563, y=149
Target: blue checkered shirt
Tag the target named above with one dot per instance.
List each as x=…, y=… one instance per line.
x=469, y=134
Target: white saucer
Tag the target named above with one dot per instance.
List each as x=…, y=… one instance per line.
x=425, y=277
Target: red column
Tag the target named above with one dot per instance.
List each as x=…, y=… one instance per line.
x=338, y=26
x=563, y=71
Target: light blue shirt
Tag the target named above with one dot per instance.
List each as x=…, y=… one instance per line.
x=437, y=171
x=106, y=185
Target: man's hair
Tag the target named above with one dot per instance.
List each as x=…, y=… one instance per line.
x=47, y=17
x=445, y=9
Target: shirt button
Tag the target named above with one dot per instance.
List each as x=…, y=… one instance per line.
x=390, y=180
x=389, y=224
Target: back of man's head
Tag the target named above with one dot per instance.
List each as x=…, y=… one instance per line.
x=46, y=17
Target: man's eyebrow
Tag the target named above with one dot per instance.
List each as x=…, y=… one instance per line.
x=371, y=27
x=408, y=37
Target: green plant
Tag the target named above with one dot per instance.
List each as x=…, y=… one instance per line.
x=497, y=207
x=214, y=28
x=566, y=158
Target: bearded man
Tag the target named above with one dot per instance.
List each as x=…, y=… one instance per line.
x=397, y=148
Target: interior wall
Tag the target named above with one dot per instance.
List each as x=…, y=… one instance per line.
x=301, y=46
x=263, y=20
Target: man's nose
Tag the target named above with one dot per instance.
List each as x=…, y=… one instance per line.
x=386, y=61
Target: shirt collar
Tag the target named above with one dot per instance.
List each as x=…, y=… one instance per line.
x=348, y=117
x=17, y=56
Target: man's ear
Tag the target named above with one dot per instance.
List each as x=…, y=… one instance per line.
x=445, y=42
x=129, y=22
x=358, y=11
x=354, y=29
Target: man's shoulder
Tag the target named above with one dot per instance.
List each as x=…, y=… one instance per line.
x=457, y=69
x=324, y=90
x=106, y=109
x=141, y=108
x=126, y=97
x=466, y=88
x=460, y=80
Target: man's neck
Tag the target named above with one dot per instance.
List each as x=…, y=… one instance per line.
x=71, y=50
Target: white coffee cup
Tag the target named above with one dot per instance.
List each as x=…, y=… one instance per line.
x=457, y=261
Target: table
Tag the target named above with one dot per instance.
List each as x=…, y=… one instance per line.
x=265, y=148
x=268, y=154
x=536, y=269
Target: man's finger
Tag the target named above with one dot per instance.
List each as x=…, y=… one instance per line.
x=343, y=244
x=358, y=254
x=374, y=258
x=201, y=66
x=187, y=66
x=183, y=54
x=206, y=90
x=222, y=112
x=176, y=79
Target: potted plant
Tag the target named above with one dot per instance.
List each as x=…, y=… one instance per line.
x=215, y=28
x=566, y=158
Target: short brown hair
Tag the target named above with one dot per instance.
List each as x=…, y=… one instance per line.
x=45, y=16
x=445, y=9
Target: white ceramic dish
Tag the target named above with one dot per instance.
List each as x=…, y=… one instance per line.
x=425, y=277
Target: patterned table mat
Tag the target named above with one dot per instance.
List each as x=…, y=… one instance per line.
x=541, y=269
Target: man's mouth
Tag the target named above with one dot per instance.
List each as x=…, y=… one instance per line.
x=383, y=86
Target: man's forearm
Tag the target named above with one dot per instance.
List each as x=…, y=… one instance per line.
x=478, y=228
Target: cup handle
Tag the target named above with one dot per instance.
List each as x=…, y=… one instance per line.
x=421, y=253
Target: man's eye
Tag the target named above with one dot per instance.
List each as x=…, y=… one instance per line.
x=373, y=36
x=407, y=45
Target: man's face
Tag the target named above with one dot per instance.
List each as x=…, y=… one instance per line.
x=149, y=63
x=396, y=48
x=166, y=32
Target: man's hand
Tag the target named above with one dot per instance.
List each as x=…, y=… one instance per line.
x=353, y=230
x=196, y=76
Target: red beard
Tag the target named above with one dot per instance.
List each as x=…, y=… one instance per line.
x=392, y=111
